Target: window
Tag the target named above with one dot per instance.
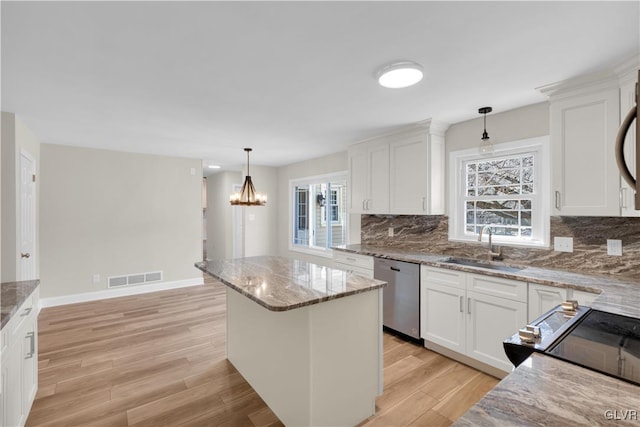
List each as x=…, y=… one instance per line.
x=319, y=214
x=507, y=191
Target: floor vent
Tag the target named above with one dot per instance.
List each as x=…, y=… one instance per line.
x=134, y=279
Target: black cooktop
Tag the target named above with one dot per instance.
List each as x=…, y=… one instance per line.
x=605, y=342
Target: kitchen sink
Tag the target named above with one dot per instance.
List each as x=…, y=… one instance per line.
x=480, y=264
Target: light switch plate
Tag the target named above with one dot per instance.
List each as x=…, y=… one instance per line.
x=563, y=244
x=614, y=247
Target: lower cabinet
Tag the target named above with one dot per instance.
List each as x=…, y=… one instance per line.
x=543, y=298
x=354, y=263
x=19, y=366
x=472, y=314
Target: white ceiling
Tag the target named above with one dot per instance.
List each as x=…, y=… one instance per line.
x=293, y=80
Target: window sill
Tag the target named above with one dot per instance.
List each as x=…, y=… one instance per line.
x=498, y=242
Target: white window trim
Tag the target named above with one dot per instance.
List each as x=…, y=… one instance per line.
x=539, y=146
x=322, y=252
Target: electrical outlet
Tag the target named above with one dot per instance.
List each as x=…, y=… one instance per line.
x=390, y=231
x=96, y=279
x=614, y=247
x=563, y=244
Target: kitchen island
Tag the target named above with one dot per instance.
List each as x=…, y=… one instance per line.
x=307, y=338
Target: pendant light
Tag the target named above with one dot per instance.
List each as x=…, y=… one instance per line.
x=248, y=195
x=486, y=145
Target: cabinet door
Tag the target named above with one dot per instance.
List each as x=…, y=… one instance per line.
x=585, y=175
x=583, y=298
x=358, y=179
x=12, y=386
x=490, y=320
x=378, y=202
x=409, y=167
x=543, y=298
x=627, y=100
x=29, y=362
x=442, y=321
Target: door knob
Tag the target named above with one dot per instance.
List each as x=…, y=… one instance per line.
x=27, y=255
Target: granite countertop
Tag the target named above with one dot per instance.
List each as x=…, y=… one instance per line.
x=616, y=296
x=281, y=284
x=12, y=295
x=544, y=391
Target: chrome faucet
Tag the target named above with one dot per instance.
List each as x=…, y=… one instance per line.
x=492, y=256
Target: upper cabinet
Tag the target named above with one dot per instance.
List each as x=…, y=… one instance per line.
x=585, y=115
x=369, y=178
x=401, y=174
x=627, y=101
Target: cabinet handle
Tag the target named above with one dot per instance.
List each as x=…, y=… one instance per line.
x=557, y=200
x=469, y=305
x=32, y=344
x=368, y=204
x=364, y=204
x=623, y=198
x=424, y=199
x=351, y=259
x=461, y=304
x=27, y=311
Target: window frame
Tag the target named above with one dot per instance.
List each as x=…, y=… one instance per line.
x=344, y=220
x=540, y=211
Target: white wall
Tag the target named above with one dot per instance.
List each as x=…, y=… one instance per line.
x=219, y=214
x=332, y=163
x=16, y=137
x=260, y=222
x=112, y=213
x=521, y=123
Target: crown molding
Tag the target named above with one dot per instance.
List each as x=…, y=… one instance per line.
x=592, y=82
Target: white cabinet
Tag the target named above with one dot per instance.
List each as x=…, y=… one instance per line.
x=400, y=174
x=471, y=314
x=417, y=173
x=627, y=101
x=583, y=298
x=19, y=367
x=543, y=298
x=585, y=177
x=354, y=263
x=369, y=178
x=585, y=114
x=442, y=316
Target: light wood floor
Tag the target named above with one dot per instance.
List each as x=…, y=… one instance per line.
x=159, y=359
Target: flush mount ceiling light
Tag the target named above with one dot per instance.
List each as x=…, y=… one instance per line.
x=486, y=145
x=248, y=196
x=214, y=166
x=399, y=74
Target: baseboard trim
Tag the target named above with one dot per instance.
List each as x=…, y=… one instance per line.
x=481, y=366
x=119, y=292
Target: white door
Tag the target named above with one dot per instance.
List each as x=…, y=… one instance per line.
x=444, y=317
x=27, y=218
x=489, y=321
x=543, y=298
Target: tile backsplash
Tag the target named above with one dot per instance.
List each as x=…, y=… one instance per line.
x=429, y=234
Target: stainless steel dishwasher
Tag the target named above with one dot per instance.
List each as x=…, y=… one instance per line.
x=401, y=297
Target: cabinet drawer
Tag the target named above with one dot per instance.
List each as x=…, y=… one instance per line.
x=442, y=276
x=365, y=272
x=355, y=260
x=496, y=286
